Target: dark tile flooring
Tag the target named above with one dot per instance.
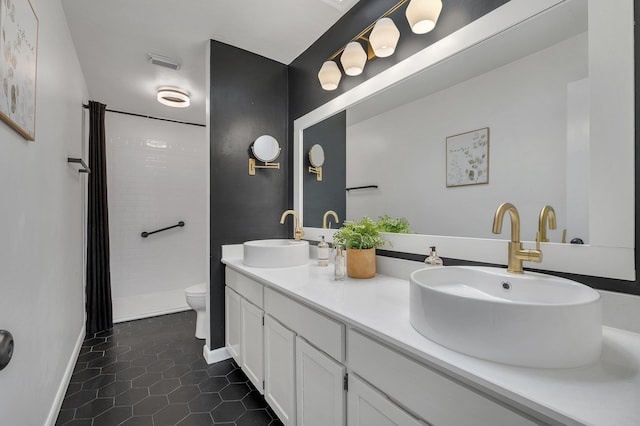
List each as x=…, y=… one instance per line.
x=151, y=372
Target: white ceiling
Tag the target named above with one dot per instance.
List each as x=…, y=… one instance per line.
x=113, y=37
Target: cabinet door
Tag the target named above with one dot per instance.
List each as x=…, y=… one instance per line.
x=319, y=387
x=251, y=343
x=279, y=370
x=232, y=323
x=366, y=407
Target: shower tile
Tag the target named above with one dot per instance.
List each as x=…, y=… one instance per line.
x=150, y=372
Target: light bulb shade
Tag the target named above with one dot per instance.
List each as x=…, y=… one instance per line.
x=173, y=97
x=353, y=58
x=329, y=75
x=423, y=15
x=384, y=37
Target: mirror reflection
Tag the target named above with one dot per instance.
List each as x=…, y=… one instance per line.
x=316, y=155
x=534, y=98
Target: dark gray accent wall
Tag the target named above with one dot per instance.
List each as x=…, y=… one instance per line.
x=305, y=90
x=328, y=194
x=248, y=99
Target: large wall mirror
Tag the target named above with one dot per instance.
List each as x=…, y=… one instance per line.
x=553, y=82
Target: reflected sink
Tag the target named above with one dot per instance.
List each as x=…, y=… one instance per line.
x=530, y=320
x=275, y=253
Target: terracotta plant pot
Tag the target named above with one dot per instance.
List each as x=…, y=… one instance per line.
x=361, y=263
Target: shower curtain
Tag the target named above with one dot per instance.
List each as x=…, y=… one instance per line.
x=98, y=290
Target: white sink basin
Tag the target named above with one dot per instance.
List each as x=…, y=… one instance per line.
x=275, y=253
x=531, y=320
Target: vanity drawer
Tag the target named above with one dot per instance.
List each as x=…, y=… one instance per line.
x=431, y=395
x=324, y=333
x=245, y=286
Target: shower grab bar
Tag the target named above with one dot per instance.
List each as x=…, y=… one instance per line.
x=362, y=187
x=146, y=234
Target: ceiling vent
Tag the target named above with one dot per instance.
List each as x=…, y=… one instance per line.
x=163, y=61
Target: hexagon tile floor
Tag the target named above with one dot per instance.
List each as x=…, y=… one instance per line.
x=150, y=372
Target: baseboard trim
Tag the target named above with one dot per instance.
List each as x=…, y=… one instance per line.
x=215, y=355
x=150, y=314
x=66, y=379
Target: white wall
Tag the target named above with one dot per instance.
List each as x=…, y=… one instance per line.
x=525, y=106
x=41, y=233
x=157, y=175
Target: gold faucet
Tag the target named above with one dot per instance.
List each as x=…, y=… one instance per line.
x=298, y=232
x=326, y=216
x=547, y=215
x=516, y=253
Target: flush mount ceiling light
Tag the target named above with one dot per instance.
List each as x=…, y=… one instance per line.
x=422, y=16
x=173, y=97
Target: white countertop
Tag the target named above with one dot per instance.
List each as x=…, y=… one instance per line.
x=604, y=393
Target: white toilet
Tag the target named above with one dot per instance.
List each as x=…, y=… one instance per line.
x=196, y=296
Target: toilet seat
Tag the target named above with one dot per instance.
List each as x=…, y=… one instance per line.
x=196, y=290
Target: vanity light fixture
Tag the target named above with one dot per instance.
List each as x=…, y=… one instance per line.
x=353, y=58
x=384, y=37
x=422, y=16
x=173, y=97
x=329, y=75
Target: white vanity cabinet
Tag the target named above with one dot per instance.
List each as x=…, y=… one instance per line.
x=244, y=301
x=320, y=392
x=297, y=355
x=251, y=343
x=434, y=397
x=318, y=353
x=290, y=352
x=232, y=323
x=279, y=370
x=366, y=406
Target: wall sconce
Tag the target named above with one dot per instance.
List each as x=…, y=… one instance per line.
x=265, y=149
x=316, y=158
x=422, y=16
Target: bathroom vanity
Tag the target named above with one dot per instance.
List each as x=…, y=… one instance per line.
x=327, y=352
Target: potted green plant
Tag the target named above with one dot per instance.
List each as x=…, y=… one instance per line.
x=389, y=224
x=361, y=240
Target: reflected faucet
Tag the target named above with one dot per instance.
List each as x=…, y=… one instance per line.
x=298, y=232
x=326, y=216
x=547, y=215
x=516, y=253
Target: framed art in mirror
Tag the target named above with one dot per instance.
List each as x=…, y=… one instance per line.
x=468, y=158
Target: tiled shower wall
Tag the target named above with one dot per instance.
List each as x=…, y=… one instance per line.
x=157, y=176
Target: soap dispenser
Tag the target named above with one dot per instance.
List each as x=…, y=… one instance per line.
x=433, y=259
x=323, y=253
